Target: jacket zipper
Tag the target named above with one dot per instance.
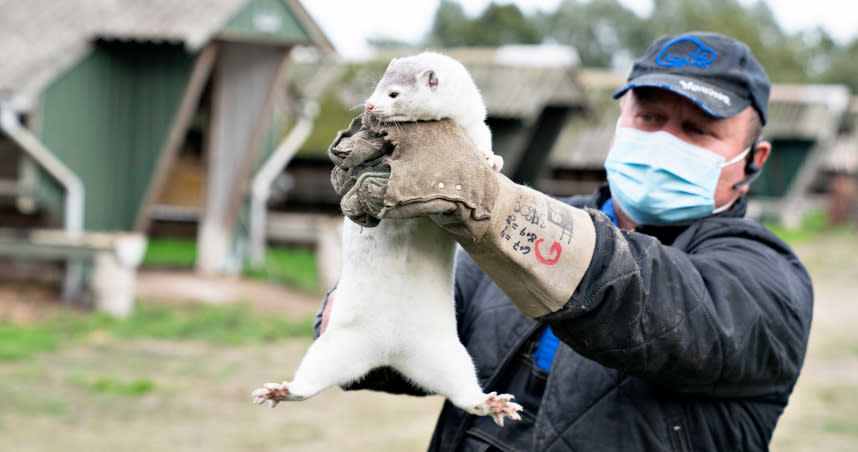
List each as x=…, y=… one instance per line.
x=682, y=444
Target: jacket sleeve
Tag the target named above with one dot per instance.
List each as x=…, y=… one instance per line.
x=724, y=312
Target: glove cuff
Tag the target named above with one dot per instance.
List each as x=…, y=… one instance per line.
x=536, y=249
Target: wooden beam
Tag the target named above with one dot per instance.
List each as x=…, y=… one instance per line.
x=254, y=148
x=200, y=74
x=532, y=162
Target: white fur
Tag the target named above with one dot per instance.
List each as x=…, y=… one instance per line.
x=394, y=303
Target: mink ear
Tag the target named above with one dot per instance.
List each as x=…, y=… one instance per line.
x=429, y=78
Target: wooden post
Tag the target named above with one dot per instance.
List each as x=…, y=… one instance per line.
x=245, y=79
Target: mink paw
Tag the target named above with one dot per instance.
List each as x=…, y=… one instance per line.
x=495, y=161
x=274, y=393
x=502, y=406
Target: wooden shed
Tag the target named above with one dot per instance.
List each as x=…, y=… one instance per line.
x=143, y=108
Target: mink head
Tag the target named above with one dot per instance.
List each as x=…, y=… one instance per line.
x=421, y=87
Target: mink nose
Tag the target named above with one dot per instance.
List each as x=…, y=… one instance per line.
x=370, y=107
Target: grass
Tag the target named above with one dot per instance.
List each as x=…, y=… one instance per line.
x=172, y=253
x=18, y=342
x=840, y=403
x=813, y=225
x=292, y=267
x=110, y=385
x=234, y=324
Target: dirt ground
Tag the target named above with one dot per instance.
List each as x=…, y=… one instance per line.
x=823, y=410
x=201, y=400
x=164, y=285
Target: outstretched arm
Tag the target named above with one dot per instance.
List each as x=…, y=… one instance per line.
x=727, y=314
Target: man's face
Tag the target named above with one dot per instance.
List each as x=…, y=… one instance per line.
x=655, y=109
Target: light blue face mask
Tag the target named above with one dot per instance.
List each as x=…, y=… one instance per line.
x=657, y=178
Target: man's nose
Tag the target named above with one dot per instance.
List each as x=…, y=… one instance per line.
x=674, y=127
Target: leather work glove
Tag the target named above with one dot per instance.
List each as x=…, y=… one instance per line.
x=535, y=248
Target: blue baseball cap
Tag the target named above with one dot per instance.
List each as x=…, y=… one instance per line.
x=717, y=73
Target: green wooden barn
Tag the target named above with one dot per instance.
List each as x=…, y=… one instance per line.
x=116, y=113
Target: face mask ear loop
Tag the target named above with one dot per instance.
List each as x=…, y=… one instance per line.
x=724, y=207
x=751, y=168
x=737, y=158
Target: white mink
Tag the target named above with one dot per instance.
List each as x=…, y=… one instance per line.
x=394, y=303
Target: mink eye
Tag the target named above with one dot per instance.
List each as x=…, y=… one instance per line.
x=393, y=94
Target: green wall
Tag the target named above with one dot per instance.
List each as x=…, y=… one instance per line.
x=266, y=20
x=782, y=166
x=107, y=119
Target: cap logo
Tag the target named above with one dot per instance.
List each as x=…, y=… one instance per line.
x=685, y=51
x=694, y=87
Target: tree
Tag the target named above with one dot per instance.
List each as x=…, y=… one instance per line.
x=497, y=25
x=600, y=30
x=608, y=35
x=781, y=55
x=840, y=68
x=450, y=26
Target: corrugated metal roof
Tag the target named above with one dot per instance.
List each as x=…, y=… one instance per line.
x=38, y=38
x=192, y=22
x=791, y=119
x=584, y=141
x=523, y=92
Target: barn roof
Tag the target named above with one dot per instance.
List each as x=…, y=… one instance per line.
x=40, y=38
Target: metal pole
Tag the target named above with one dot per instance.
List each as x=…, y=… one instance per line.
x=281, y=157
x=74, y=202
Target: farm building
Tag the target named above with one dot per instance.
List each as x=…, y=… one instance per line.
x=118, y=113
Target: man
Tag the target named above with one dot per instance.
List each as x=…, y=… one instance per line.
x=648, y=316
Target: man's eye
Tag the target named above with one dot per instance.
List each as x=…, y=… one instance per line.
x=394, y=94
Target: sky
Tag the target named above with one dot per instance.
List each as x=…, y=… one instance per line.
x=348, y=23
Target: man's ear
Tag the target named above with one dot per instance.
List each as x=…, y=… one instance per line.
x=428, y=78
x=761, y=153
